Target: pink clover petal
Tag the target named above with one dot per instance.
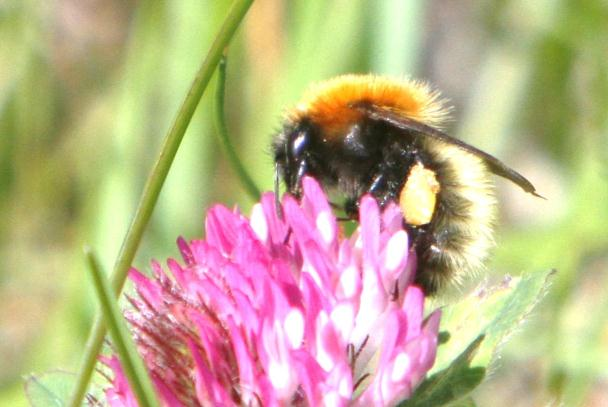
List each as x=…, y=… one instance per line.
x=343, y=319
x=277, y=229
x=221, y=228
x=206, y=385
x=349, y=284
x=186, y=252
x=120, y=393
x=311, y=375
x=431, y=334
x=258, y=223
x=278, y=361
x=413, y=308
x=394, y=257
x=370, y=230
x=279, y=310
x=316, y=205
x=392, y=218
x=329, y=344
x=294, y=327
x=146, y=288
x=166, y=394
x=338, y=387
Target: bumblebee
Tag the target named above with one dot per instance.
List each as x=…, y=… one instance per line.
x=359, y=134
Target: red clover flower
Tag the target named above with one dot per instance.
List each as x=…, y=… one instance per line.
x=284, y=310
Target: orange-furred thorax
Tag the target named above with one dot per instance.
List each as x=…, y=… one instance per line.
x=330, y=104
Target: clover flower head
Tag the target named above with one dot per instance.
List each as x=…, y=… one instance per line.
x=284, y=310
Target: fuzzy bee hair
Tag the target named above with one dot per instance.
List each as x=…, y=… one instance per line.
x=362, y=134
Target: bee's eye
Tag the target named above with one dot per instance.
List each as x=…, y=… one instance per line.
x=419, y=196
x=299, y=143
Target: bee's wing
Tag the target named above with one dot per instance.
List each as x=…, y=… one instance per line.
x=407, y=124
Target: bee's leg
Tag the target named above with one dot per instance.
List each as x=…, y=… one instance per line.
x=293, y=181
x=294, y=178
x=378, y=182
x=277, y=198
x=302, y=171
x=380, y=186
x=377, y=187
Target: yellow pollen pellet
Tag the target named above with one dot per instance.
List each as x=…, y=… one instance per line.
x=419, y=196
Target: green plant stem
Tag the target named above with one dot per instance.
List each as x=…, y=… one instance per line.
x=132, y=365
x=219, y=119
x=153, y=186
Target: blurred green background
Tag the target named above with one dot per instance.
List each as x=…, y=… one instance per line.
x=88, y=89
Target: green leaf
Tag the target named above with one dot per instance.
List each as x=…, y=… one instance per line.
x=528, y=293
x=451, y=384
x=490, y=313
x=49, y=389
x=495, y=312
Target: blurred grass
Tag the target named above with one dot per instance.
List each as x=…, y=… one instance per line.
x=87, y=89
